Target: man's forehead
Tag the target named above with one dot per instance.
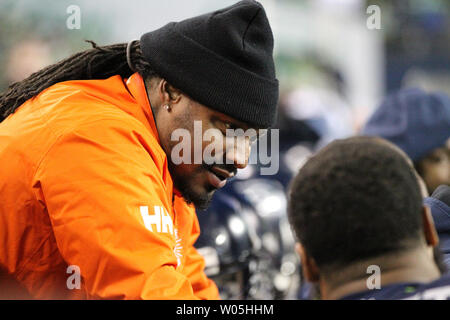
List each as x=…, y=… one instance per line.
x=444, y=148
x=237, y=123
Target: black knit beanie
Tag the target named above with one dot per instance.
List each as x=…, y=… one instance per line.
x=223, y=60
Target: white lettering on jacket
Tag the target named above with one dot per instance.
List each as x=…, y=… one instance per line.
x=161, y=219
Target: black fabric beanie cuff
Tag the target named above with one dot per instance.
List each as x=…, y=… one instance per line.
x=213, y=79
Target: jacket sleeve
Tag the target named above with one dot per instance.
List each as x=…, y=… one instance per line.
x=204, y=288
x=96, y=182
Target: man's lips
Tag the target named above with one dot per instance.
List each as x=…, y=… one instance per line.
x=217, y=177
x=222, y=173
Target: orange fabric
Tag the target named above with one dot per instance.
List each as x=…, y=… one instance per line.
x=84, y=181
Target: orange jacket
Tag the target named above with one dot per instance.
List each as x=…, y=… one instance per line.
x=85, y=183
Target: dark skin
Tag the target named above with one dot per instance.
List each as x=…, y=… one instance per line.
x=172, y=109
x=414, y=265
x=417, y=264
x=435, y=167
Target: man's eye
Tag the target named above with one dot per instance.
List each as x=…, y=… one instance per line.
x=222, y=125
x=438, y=157
x=228, y=126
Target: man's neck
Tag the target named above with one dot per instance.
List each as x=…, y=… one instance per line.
x=415, y=266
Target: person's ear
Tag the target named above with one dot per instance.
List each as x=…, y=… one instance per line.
x=431, y=236
x=309, y=266
x=168, y=94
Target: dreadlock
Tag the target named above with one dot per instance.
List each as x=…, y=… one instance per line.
x=100, y=62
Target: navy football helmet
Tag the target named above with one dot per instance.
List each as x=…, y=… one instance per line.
x=247, y=242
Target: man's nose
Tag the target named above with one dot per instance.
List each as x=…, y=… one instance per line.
x=238, y=153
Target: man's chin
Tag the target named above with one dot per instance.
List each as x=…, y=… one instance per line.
x=201, y=202
x=191, y=189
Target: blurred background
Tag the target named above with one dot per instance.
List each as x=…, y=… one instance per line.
x=334, y=65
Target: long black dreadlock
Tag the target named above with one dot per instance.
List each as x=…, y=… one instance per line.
x=100, y=62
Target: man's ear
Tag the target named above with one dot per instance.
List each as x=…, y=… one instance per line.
x=429, y=229
x=309, y=266
x=168, y=94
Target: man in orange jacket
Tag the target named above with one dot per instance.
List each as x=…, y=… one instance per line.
x=92, y=203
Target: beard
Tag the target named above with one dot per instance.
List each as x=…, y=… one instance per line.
x=201, y=200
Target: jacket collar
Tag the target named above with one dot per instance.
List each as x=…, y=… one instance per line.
x=136, y=87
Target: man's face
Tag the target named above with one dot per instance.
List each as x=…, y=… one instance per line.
x=436, y=167
x=198, y=179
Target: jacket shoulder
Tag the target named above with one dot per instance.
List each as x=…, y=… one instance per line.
x=70, y=104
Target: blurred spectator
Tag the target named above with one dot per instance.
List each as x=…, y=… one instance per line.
x=357, y=206
x=418, y=123
x=439, y=203
x=311, y=116
x=314, y=115
x=25, y=58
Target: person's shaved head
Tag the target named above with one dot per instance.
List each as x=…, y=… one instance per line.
x=356, y=198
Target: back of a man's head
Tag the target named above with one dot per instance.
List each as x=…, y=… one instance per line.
x=356, y=199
